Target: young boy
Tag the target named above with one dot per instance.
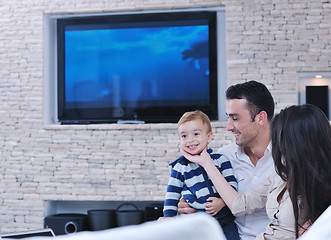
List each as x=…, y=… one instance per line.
x=190, y=181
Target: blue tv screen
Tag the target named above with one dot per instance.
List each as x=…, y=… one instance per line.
x=149, y=67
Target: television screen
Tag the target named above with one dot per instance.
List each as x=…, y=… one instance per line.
x=149, y=67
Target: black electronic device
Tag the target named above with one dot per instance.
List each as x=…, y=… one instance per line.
x=150, y=67
x=66, y=223
x=318, y=96
x=47, y=232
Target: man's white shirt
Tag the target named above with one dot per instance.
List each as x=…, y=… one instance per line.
x=249, y=176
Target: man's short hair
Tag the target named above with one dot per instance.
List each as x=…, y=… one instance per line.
x=257, y=95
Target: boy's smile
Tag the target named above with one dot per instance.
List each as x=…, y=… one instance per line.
x=194, y=136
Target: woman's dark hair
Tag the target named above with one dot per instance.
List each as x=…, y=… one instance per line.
x=257, y=95
x=301, y=149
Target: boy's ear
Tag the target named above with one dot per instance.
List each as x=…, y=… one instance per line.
x=210, y=136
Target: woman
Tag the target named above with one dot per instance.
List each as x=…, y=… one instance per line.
x=301, y=135
x=301, y=190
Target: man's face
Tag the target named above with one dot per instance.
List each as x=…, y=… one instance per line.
x=194, y=136
x=240, y=122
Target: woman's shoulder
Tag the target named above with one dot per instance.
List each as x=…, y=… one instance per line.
x=275, y=178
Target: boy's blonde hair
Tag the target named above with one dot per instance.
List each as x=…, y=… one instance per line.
x=194, y=115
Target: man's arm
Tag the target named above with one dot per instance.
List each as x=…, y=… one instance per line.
x=224, y=189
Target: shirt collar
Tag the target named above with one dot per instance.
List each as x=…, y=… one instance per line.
x=241, y=153
x=269, y=148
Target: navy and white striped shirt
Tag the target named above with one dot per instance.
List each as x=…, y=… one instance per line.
x=190, y=180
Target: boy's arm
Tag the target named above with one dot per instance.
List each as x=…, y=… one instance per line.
x=173, y=194
x=214, y=205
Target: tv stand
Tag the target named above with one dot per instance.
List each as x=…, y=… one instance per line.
x=130, y=122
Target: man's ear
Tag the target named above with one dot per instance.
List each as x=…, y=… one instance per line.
x=262, y=117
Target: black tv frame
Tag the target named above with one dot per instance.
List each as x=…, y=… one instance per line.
x=167, y=114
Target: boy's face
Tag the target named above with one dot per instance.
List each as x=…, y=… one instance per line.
x=194, y=136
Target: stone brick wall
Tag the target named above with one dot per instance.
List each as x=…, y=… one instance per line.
x=269, y=41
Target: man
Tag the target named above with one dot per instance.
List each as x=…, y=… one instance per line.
x=250, y=108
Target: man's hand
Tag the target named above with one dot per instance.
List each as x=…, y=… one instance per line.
x=201, y=159
x=214, y=205
x=184, y=207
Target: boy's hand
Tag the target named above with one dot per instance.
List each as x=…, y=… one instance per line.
x=214, y=205
x=184, y=207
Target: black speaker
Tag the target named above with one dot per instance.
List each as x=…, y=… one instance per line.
x=101, y=219
x=318, y=96
x=66, y=223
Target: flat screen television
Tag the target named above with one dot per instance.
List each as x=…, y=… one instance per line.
x=151, y=67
